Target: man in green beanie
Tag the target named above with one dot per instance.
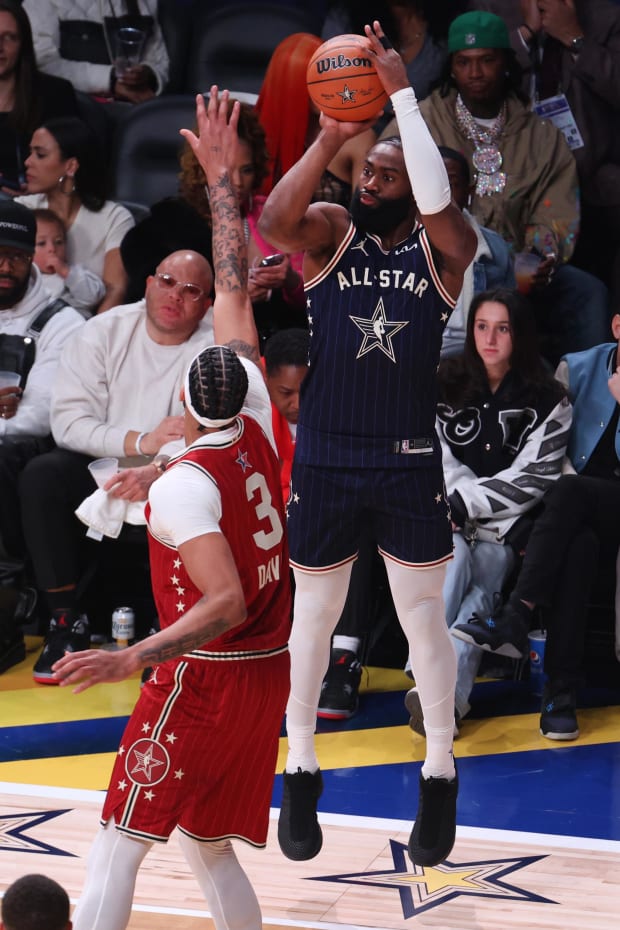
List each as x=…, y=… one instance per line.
x=525, y=176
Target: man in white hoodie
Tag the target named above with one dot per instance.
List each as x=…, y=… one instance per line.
x=33, y=329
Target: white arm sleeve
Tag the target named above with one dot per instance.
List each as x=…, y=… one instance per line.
x=425, y=167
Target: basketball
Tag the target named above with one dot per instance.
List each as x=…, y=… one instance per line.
x=342, y=80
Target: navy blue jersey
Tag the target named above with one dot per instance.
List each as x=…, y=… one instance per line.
x=376, y=319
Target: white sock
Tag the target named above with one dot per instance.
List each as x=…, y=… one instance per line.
x=350, y=643
x=417, y=594
x=319, y=599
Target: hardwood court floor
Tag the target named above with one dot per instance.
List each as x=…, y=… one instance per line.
x=538, y=842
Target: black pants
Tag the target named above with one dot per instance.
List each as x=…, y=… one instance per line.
x=51, y=487
x=15, y=454
x=580, y=521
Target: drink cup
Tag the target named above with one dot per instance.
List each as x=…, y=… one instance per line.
x=9, y=379
x=526, y=265
x=129, y=45
x=103, y=469
x=537, y=639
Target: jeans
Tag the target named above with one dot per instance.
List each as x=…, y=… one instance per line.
x=473, y=576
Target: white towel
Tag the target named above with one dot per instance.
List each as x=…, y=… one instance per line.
x=104, y=515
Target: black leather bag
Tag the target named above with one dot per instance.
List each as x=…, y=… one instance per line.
x=17, y=353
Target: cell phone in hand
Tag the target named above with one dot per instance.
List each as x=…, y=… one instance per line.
x=276, y=259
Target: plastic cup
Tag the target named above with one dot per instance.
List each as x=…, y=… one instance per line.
x=526, y=265
x=103, y=469
x=9, y=379
x=129, y=45
x=538, y=639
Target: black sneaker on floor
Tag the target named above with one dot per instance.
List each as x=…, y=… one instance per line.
x=416, y=714
x=558, y=717
x=12, y=652
x=504, y=633
x=299, y=833
x=67, y=633
x=434, y=830
x=340, y=689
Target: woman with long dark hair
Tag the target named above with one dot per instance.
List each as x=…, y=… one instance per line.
x=503, y=422
x=27, y=97
x=64, y=172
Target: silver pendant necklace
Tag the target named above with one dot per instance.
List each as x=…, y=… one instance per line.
x=487, y=158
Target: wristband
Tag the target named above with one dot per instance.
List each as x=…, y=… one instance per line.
x=138, y=449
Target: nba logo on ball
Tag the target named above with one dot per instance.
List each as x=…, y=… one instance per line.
x=342, y=80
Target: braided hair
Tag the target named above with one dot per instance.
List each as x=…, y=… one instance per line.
x=215, y=386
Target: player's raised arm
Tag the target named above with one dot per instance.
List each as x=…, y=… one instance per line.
x=447, y=229
x=215, y=148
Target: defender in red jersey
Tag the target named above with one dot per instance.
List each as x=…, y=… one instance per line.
x=199, y=751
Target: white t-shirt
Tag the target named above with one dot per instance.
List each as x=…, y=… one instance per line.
x=91, y=234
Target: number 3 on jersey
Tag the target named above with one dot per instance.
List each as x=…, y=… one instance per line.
x=257, y=486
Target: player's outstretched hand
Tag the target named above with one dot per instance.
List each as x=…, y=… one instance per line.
x=217, y=143
x=390, y=66
x=94, y=666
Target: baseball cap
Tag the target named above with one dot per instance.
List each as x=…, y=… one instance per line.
x=18, y=227
x=477, y=30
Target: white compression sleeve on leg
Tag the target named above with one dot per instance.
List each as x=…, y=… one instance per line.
x=425, y=167
x=230, y=896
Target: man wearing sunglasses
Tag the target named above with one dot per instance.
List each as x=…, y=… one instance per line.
x=117, y=394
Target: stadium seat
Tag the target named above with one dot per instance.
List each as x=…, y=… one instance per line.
x=231, y=45
x=147, y=146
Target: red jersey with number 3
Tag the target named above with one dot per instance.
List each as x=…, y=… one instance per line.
x=247, y=475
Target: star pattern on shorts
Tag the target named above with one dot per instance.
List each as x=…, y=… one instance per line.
x=378, y=332
x=149, y=795
x=346, y=94
x=171, y=738
x=175, y=580
x=146, y=727
x=177, y=563
x=122, y=785
x=179, y=774
x=180, y=606
x=180, y=591
x=121, y=750
x=146, y=762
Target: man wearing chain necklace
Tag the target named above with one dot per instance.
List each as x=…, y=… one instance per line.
x=526, y=186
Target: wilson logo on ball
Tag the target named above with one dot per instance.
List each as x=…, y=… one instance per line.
x=328, y=64
x=343, y=82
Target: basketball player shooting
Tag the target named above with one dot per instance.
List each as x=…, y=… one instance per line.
x=381, y=282
x=200, y=749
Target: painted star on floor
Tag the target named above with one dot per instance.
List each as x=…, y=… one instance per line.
x=13, y=838
x=422, y=888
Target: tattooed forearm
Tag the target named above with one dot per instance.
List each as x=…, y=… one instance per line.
x=244, y=349
x=173, y=648
x=229, y=254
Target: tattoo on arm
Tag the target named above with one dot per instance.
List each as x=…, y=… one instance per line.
x=150, y=655
x=244, y=349
x=229, y=251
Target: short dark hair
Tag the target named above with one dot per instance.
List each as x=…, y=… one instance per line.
x=35, y=902
x=286, y=347
x=46, y=215
x=76, y=139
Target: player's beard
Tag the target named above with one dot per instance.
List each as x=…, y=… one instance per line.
x=382, y=218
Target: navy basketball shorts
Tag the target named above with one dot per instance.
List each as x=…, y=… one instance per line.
x=404, y=509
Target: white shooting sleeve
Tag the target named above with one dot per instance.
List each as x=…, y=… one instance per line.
x=425, y=167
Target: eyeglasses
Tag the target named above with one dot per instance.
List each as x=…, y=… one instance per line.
x=187, y=291
x=11, y=38
x=16, y=259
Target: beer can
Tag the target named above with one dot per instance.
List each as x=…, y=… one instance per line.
x=123, y=626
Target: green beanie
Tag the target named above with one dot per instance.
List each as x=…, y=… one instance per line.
x=477, y=30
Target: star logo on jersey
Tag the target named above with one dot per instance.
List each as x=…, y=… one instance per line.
x=13, y=837
x=421, y=888
x=242, y=460
x=147, y=762
x=361, y=246
x=378, y=332
x=346, y=94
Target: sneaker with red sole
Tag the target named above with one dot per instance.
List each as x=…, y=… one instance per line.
x=68, y=632
x=340, y=689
